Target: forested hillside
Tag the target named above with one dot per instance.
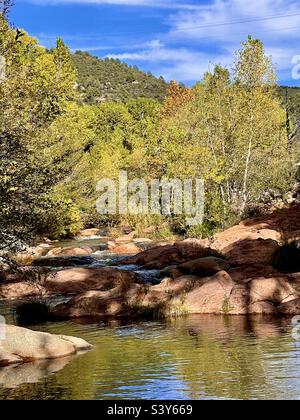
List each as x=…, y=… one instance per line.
x=102, y=80
x=291, y=95
x=108, y=79
x=63, y=130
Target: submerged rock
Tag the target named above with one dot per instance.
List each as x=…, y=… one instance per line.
x=20, y=345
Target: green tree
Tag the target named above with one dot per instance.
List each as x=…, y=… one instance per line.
x=32, y=94
x=232, y=126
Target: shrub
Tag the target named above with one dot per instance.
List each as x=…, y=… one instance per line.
x=206, y=230
x=61, y=220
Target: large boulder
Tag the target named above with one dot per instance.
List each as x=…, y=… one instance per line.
x=20, y=345
x=283, y=224
x=78, y=280
x=118, y=302
x=292, y=307
x=253, y=241
x=166, y=298
x=218, y=294
x=22, y=290
x=26, y=258
x=172, y=272
x=160, y=257
x=244, y=273
x=248, y=252
x=221, y=295
x=124, y=248
x=70, y=252
x=260, y=296
x=212, y=297
x=204, y=266
x=156, y=258
x=276, y=290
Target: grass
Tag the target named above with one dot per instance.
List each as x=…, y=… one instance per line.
x=226, y=308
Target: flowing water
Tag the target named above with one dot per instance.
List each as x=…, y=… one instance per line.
x=198, y=357
x=191, y=358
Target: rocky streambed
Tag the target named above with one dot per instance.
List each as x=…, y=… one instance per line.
x=232, y=274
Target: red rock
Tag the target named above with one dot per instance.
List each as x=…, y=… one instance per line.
x=289, y=308
x=27, y=257
x=161, y=257
x=21, y=290
x=168, y=290
x=245, y=273
x=125, y=249
x=70, y=252
x=204, y=266
x=111, y=303
x=142, y=241
x=259, y=251
x=125, y=238
x=283, y=224
x=88, y=233
x=171, y=272
x=262, y=308
x=218, y=294
x=212, y=297
x=275, y=290
x=78, y=280
x=158, y=257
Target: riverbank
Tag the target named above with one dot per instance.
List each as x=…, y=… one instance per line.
x=234, y=273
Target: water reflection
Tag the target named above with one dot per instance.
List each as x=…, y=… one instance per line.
x=30, y=373
x=196, y=357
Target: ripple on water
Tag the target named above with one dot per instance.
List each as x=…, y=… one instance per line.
x=199, y=357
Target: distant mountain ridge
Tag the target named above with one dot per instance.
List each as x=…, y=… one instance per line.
x=102, y=80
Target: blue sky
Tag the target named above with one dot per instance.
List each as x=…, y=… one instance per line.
x=178, y=39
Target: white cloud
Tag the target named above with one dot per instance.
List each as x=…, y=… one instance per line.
x=156, y=43
x=224, y=20
x=226, y=23
x=177, y=63
x=202, y=34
